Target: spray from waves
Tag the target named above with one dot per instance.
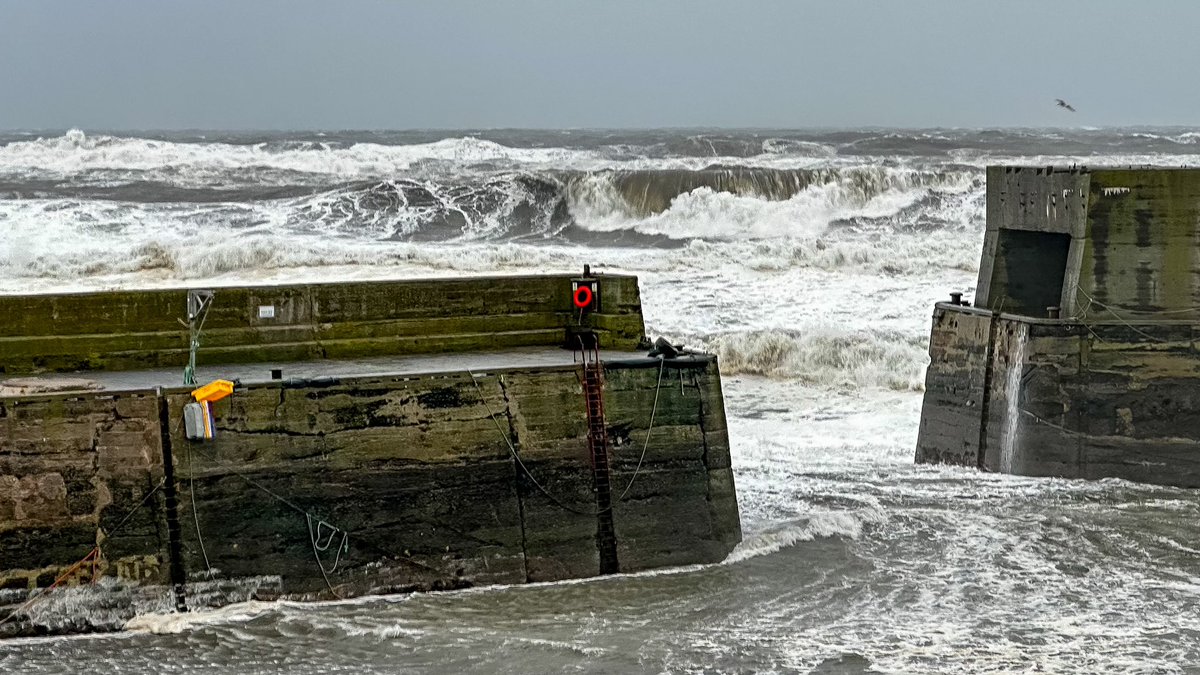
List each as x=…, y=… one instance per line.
x=506, y=207
x=259, y=256
x=594, y=208
x=728, y=203
x=647, y=192
x=204, y=163
x=823, y=525
x=884, y=252
x=61, y=260
x=826, y=357
x=97, y=159
x=249, y=245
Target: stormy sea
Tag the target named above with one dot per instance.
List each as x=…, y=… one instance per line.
x=808, y=261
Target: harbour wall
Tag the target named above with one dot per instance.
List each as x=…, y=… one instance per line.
x=339, y=486
x=1042, y=397
x=140, y=329
x=1081, y=355
x=1119, y=240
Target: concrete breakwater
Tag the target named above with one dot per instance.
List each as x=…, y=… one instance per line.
x=441, y=455
x=1081, y=356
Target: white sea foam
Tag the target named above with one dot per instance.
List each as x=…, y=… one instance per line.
x=818, y=310
x=824, y=356
x=216, y=164
x=846, y=194
x=795, y=147
x=847, y=524
x=170, y=622
x=204, y=163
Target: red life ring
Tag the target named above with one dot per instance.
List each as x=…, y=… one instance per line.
x=587, y=299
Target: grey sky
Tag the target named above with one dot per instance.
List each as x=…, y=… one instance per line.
x=603, y=63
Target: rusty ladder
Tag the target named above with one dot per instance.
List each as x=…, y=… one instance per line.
x=597, y=440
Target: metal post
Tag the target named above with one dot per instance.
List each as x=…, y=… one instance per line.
x=198, y=304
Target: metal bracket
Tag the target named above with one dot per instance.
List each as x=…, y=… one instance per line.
x=198, y=304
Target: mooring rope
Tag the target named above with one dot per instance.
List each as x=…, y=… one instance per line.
x=314, y=536
x=195, y=513
x=653, y=410
x=513, y=451
x=516, y=456
x=308, y=517
x=1117, y=316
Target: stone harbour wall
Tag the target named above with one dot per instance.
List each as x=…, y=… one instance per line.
x=336, y=487
x=1063, y=398
x=140, y=329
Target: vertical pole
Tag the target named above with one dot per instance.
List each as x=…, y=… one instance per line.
x=174, y=538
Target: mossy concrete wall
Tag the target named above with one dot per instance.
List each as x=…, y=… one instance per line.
x=1112, y=388
x=1063, y=398
x=1134, y=240
x=416, y=472
x=1142, y=254
x=135, y=329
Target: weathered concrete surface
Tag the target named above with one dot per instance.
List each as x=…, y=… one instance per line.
x=1142, y=255
x=684, y=477
x=405, y=450
x=1065, y=398
x=1025, y=205
x=370, y=484
x=138, y=329
x=1131, y=235
x=959, y=362
x=72, y=469
x=413, y=467
x=1112, y=388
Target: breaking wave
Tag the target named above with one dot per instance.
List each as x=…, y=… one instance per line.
x=828, y=357
x=203, y=163
x=844, y=524
x=643, y=207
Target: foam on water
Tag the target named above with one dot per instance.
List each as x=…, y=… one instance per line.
x=817, y=304
x=830, y=524
x=825, y=357
x=203, y=163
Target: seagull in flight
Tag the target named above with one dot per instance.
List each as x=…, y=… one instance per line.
x=1064, y=104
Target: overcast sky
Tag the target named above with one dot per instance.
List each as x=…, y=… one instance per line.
x=301, y=64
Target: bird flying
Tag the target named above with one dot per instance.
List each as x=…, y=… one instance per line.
x=1064, y=104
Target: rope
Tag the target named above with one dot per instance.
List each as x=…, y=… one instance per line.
x=314, y=536
x=1080, y=434
x=253, y=483
x=653, y=410
x=343, y=546
x=1118, y=317
x=513, y=451
x=308, y=517
x=142, y=503
x=516, y=456
x=92, y=557
x=189, y=371
x=195, y=513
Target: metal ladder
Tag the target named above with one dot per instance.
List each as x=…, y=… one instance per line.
x=597, y=439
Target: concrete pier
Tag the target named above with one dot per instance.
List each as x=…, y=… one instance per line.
x=368, y=467
x=1081, y=355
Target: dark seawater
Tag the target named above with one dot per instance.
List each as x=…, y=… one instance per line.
x=807, y=260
